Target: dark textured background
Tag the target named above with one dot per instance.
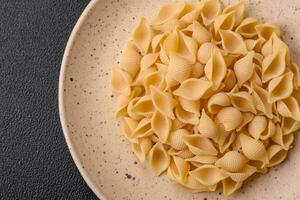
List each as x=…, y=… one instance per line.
x=34, y=159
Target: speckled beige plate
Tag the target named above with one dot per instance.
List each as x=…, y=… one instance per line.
x=86, y=103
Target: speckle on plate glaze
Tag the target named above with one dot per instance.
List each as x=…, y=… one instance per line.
x=87, y=106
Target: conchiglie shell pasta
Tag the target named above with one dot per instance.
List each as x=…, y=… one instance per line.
x=256, y=46
x=156, y=79
x=168, y=12
x=130, y=59
x=247, y=117
x=177, y=124
x=163, y=102
x=203, y=159
x=157, y=40
x=257, y=126
x=230, y=186
x=247, y=28
x=148, y=60
x=194, y=185
x=243, y=101
x=295, y=69
x=143, y=129
x=185, y=116
x=192, y=89
x=159, y=159
x=190, y=106
x=289, y=125
x=178, y=169
x=175, y=139
x=205, y=51
x=144, y=107
x=141, y=148
x=208, y=175
x=224, y=22
x=289, y=107
x=285, y=141
x=207, y=126
x=253, y=149
x=242, y=175
x=215, y=68
x=260, y=98
x=217, y=102
x=179, y=68
x=197, y=70
x=130, y=111
x=211, y=9
x=142, y=36
x=120, y=81
x=266, y=30
x=184, y=153
x=170, y=26
x=199, y=145
x=232, y=42
x=226, y=139
x=193, y=12
x=230, y=80
x=230, y=118
x=276, y=155
x=200, y=33
x=238, y=10
x=187, y=47
x=281, y=87
x=232, y=161
x=273, y=65
x=244, y=68
x=128, y=125
x=141, y=75
x=161, y=125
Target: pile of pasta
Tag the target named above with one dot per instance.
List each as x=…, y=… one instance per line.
x=207, y=95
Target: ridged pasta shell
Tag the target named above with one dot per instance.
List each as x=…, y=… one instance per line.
x=242, y=175
x=159, y=159
x=243, y=101
x=257, y=126
x=230, y=59
x=278, y=45
x=247, y=117
x=168, y=12
x=230, y=118
x=244, y=68
x=187, y=47
x=179, y=68
x=171, y=43
x=289, y=125
x=192, y=89
x=199, y=145
x=130, y=106
x=238, y=10
x=190, y=106
x=253, y=149
x=269, y=132
x=141, y=75
x=215, y=68
x=203, y=159
x=157, y=79
x=276, y=155
x=225, y=140
x=177, y=124
x=267, y=48
x=163, y=102
x=289, y=107
x=232, y=42
x=175, y=139
x=285, y=141
x=128, y=125
x=273, y=65
x=232, y=161
x=143, y=129
x=205, y=52
x=200, y=33
x=170, y=26
x=192, y=13
x=157, y=40
x=208, y=175
x=194, y=185
x=120, y=81
x=148, y=60
x=260, y=98
x=130, y=59
x=178, y=169
x=161, y=125
x=255, y=45
x=184, y=153
x=230, y=186
x=122, y=103
x=207, y=126
x=217, y=102
x=247, y=27
x=142, y=36
x=163, y=56
x=185, y=116
x=266, y=30
x=211, y=9
x=230, y=80
x=197, y=70
x=224, y=22
x=144, y=107
x=280, y=87
x=141, y=148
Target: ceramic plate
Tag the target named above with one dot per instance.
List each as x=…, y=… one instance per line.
x=93, y=135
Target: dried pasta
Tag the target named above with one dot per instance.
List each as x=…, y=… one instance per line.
x=206, y=95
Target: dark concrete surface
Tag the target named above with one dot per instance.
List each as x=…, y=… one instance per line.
x=34, y=159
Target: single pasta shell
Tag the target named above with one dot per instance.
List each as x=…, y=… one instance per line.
x=230, y=186
x=217, y=102
x=208, y=175
x=203, y=159
x=257, y=126
x=232, y=161
x=230, y=117
x=280, y=87
x=276, y=155
x=242, y=175
x=243, y=101
x=161, y=125
x=266, y=30
x=205, y=51
x=199, y=145
x=207, y=126
x=175, y=139
x=141, y=148
x=159, y=159
x=178, y=169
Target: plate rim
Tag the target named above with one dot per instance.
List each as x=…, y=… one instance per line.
x=61, y=102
